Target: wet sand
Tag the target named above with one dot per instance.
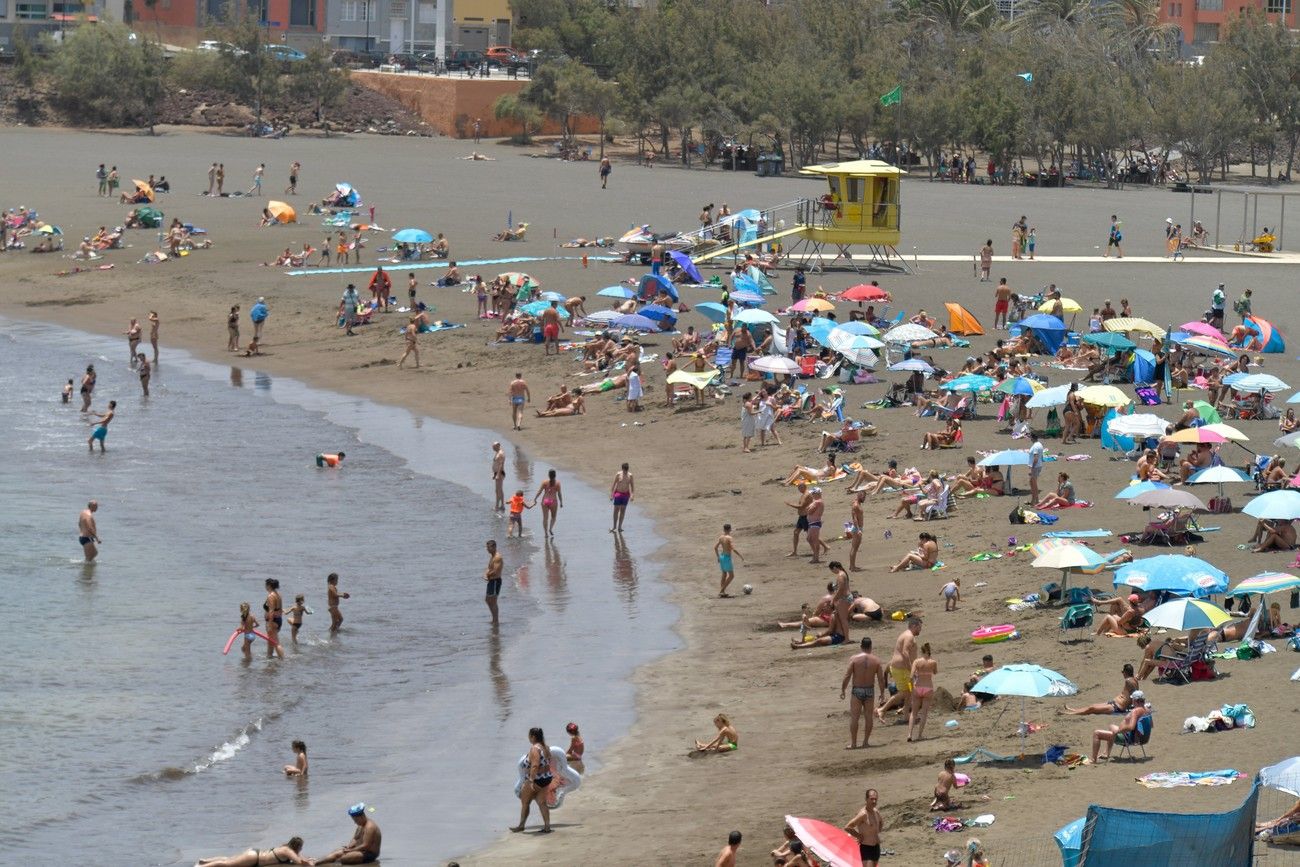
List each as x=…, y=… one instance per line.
x=649, y=797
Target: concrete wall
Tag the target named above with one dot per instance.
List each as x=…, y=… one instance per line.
x=450, y=105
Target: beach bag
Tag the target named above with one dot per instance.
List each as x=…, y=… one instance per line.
x=1017, y=516
x=1147, y=395
x=1053, y=424
x=1202, y=670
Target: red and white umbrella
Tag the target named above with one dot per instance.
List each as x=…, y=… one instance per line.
x=835, y=846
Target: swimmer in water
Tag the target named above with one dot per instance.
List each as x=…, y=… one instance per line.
x=88, y=533
x=299, y=766
x=330, y=460
x=289, y=853
x=67, y=392
x=336, y=616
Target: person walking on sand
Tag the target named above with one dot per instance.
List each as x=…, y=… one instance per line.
x=986, y=261
x=866, y=827
x=1001, y=303
x=816, y=510
x=727, y=857
x=853, y=530
x=840, y=599
x=1114, y=239
x=519, y=395
x=221, y=179
x=333, y=596
x=292, y=189
x=101, y=427
x=605, y=169
x=1036, y=451
x=537, y=780
x=923, y=671
x=412, y=335
x=900, y=668
x=87, y=531
x=866, y=677
x=551, y=326
x=153, y=333
x=492, y=575
x=499, y=477
x=212, y=179
x=951, y=594
x=801, y=511
x=552, y=501
x=364, y=846
x=87, y=387
x=724, y=550
x=620, y=493
x=258, y=313
x=256, y=188
x=381, y=285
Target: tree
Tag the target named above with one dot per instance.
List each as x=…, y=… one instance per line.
x=589, y=95
x=511, y=107
x=101, y=75
x=317, y=80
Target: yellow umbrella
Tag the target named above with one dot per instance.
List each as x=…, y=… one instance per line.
x=692, y=378
x=1068, y=305
x=1104, y=395
x=282, y=211
x=819, y=304
x=1227, y=431
x=143, y=187
x=1143, y=326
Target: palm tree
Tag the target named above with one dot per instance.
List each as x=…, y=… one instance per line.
x=950, y=16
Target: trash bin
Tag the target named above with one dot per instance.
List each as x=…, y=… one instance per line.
x=776, y=165
x=760, y=167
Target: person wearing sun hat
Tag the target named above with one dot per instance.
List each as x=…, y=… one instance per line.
x=364, y=846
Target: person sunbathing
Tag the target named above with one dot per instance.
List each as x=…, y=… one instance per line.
x=926, y=556
x=944, y=438
x=812, y=475
x=1124, y=733
x=1063, y=498
x=1287, y=423
x=813, y=618
x=1147, y=469
x=688, y=342
x=970, y=481
x=563, y=397
x=833, y=441
x=1022, y=345
x=1277, y=536
x=1128, y=623
x=286, y=853
x=1290, y=818
x=515, y=234
x=928, y=493
x=863, y=609
x=576, y=406
x=727, y=740
x=1121, y=703
x=945, y=400
x=609, y=384
x=47, y=244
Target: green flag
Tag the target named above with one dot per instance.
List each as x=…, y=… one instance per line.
x=894, y=97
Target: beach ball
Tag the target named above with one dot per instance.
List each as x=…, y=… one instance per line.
x=748, y=588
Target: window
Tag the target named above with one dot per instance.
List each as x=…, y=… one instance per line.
x=428, y=13
x=30, y=11
x=1210, y=5
x=1206, y=33
x=302, y=13
x=4, y=9
x=358, y=10
x=1277, y=7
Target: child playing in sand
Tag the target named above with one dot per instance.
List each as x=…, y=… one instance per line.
x=295, y=612
x=951, y=594
x=299, y=766
x=728, y=738
x=943, y=789
x=517, y=506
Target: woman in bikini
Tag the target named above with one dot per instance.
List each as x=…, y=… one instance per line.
x=537, y=780
x=274, y=608
x=813, y=476
x=87, y=387
x=288, y=853
x=923, y=557
x=1073, y=416
x=728, y=739
x=552, y=501
x=923, y=671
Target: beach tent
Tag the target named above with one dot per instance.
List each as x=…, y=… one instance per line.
x=1049, y=330
x=348, y=195
x=1269, y=337
x=961, y=321
x=1117, y=836
x=760, y=279
x=150, y=218
x=684, y=262
x=1142, y=367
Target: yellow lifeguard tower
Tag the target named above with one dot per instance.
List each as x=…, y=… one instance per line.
x=860, y=208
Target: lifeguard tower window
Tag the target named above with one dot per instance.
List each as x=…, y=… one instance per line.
x=835, y=187
x=856, y=189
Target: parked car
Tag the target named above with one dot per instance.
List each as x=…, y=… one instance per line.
x=423, y=61
x=468, y=59
x=214, y=45
x=357, y=59
x=503, y=55
x=284, y=53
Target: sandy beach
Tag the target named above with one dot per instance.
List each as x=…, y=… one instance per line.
x=651, y=803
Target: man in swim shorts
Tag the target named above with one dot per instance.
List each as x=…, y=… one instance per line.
x=365, y=843
x=519, y=395
x=499, y=476
x=330, y=460
x=900, y=668
x=101, y=427
x=620, y=494
x=723, y=549
x=866, y=676
x=866, y=826
x=492, y=575
x=801, y=509
x=551, y=327
x=88, y=533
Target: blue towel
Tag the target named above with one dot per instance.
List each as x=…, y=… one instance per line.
x=1077, y=534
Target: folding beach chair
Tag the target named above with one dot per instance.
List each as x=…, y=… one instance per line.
x=1139, y=738
x=938, y=509
x=1177, y=667
x=1077, y=617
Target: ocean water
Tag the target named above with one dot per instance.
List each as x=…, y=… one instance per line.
x=125, y=735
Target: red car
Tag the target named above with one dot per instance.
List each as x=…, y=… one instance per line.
x=503, y=54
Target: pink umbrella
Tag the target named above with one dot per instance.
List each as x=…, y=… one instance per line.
x=1203, y=328
x=834, y=846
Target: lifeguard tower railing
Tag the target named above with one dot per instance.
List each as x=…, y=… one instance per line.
x=788, y=218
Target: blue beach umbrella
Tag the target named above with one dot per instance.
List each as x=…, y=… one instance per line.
x=971, y=382
x=623, y=292
x=756, y=317
x=552, y=296
x=1007, y=458
x=1026, y=681
x=741, y=283
x=412, y=236
x=686, y=265
x=634, y=322
x=1176, y=573
x=711, y=310
x=603, y=317
x=1253, y=382
x=651, y=284
x=535, y=308
x=658, y=313
x=860, y=328
x=752, y=298
x=1110, y=340
x=1139, y=489
x=1274, y=506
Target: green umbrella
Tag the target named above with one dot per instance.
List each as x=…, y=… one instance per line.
x=1208, y=413
x=1110, y=340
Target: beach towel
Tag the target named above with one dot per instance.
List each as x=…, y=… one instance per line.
x=1077, y=534
x=947, y=823
x=1077, y=504
x=1178, y=779
x=979, y=754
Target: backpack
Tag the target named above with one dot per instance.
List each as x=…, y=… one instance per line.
x=1017, y=515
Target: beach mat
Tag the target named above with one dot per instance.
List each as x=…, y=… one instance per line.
x=1078, y=534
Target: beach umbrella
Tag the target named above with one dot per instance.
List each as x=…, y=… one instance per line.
x=1227, y=431
x=819, y=305
x=1068, y=305
x=745, y=297
x=412, y=236
x=711, y=310
x=1197, y=435
x=1187, y=614
x=1208, y=346
x=47, y=229
x=1220, y=475
x=1266, y=582
x=652, y=284
x=1291, y=439
x=1026, y=681
x=1274, y=506
x=552, y=296
x=343, y=187
x=774, y=364
x=1022, y=385
x=282, y=211
x=1110, y=340
x=1204, y=329
x=1048, y=397
x=1132, y=323
x=859, y=327
x=658, y=313
x=860, y=356
x=755, y=316
x=684, y=262
x=909, y=332
x=603, y=317
x=1139, y=425
x=1140, y=488
x=834, y=846
x=1253, y=382
x=623, y=292
x=515, y=278
x=1178, y=573
x=914, y=365
x=971, y=382
x=819, y=328
x=1207, y=412
x=1284, y=776
x=864, y=292
x=144, y=188
x=1269, y=337
x=1169, y=498
x=535, y=308
x=1067, y=557
x=842, y=341
x=633, y=322
x=1104, y=395
x=1007, y=458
